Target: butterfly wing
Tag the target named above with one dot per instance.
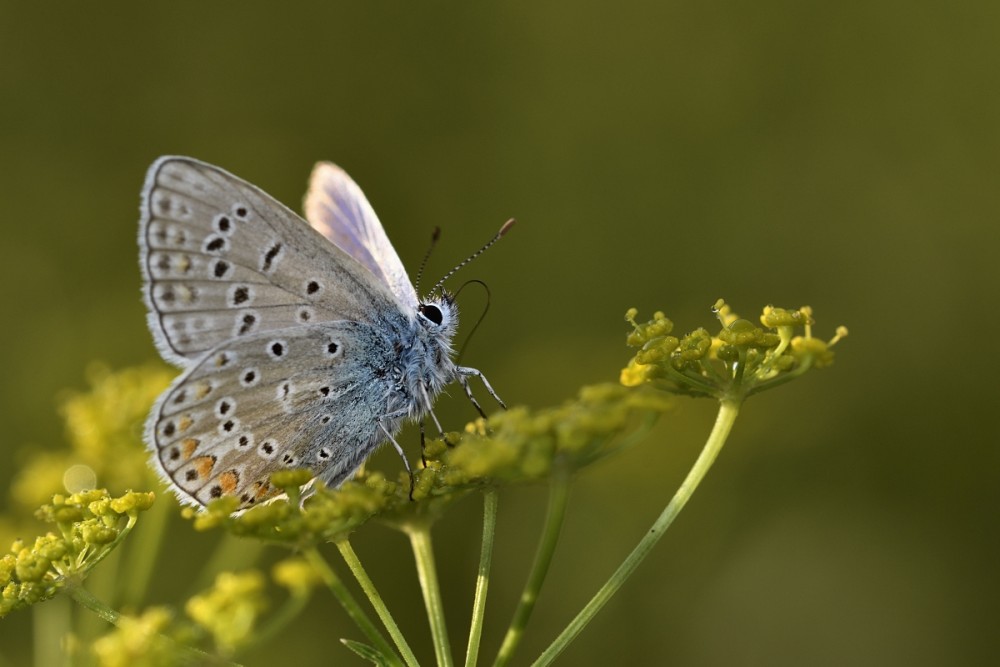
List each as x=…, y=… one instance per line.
x=307, y=396
x=337, y=208
x=221, y=259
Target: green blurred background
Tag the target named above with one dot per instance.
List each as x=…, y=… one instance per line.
x=657, y=155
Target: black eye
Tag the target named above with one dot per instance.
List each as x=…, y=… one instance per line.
x=431, y=312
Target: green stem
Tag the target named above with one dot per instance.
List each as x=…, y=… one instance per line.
x=350, y=605
x=102, y=580
x=558, y=497
x=483, y=577
x=368, y=587
x=423, y=554
x=84, y=597
x=108, y=548
x=683, y=379
x=728, y=411
x=102, y=584
x=782, y=378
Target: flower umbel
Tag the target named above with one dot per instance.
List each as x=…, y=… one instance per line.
x=90, y=525
x=516, y=446
x=740, y=360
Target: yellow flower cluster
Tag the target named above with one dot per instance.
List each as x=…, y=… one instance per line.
x=740, y=360
x=89, y=526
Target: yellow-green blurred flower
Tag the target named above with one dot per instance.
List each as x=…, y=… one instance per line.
x=137, y=642
x=104, y=429
x=229, y=614
x=297, y=575
x=230, y=609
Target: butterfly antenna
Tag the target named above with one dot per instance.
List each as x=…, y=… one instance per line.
x=420, y=272
x=503, y=230
x=482, y=316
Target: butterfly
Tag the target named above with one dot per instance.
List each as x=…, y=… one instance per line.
x=302, y=344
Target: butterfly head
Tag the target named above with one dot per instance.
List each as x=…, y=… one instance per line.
x=438, y=315
x=428, y=363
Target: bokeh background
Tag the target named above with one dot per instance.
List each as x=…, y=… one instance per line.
x=657, y=155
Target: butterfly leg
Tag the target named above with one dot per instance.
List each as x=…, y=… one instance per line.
x=423, y=444
x=464, y=373
x=464, y=381
x=399, y=450
x=430, y=410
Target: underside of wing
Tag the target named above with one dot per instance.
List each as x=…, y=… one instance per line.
x=222, y=259
x=303, y=397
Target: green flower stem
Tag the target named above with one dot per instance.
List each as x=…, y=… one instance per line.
x=728, y=410
x=347, y=601
x=105, y=550
x=103, y=579
x=483, y=577
x=783, y=377
x=558, y=497
x=423, y=554
x=102, y=584
x=683, y=379
x=368, y=587
x=84, y=597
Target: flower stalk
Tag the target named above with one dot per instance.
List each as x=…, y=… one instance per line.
x=347, y=601
x=423, y=554
x=483, y=576
x=358, y=570
x=728, y=412
x=558, y=499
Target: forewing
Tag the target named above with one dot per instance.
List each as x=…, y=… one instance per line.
x=222, y=259
x=337, y=208
x=299, y=397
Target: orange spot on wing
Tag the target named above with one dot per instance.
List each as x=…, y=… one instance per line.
x=188, y=445
x=203, y=465
x=228, y=481
x=262, y=490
